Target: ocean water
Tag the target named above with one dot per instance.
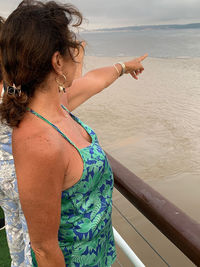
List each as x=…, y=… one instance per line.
x=162, y=42
x=152, y=125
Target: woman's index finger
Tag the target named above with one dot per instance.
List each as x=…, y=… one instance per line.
x=143, y=57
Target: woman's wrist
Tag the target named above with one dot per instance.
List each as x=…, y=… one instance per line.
x=123, y=66
x=120, y=68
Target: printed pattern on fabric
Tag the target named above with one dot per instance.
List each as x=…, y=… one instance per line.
x=85, y=233
x=16, y=228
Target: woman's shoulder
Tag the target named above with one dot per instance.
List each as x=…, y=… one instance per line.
x=34, y=141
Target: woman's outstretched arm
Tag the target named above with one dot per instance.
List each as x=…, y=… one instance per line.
x=96, y=80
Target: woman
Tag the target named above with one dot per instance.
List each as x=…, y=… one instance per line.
x=64, y=179
x=16, y=227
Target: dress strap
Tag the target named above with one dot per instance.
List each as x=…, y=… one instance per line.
x=53, y=125
x=65, y=108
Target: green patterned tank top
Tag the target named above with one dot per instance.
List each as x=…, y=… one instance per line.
x=85, y=233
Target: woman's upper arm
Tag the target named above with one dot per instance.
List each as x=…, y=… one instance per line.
x=90, y=84
x=40, y=174
x=80, y=91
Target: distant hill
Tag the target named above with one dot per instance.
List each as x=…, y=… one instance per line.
x=161, y=27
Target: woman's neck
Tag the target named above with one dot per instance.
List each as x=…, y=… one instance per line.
x=47, y=100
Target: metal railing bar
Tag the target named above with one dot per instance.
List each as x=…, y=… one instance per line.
x=177, y=226
x=127, y=250
x=148, y=243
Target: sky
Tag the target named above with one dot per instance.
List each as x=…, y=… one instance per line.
x=119, y=13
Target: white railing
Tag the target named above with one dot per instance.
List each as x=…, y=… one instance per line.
x=127, y=250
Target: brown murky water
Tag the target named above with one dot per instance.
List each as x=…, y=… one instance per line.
x=152, y=126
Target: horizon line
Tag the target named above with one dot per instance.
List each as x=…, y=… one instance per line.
x=143, y=26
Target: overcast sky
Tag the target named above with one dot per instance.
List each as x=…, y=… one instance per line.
x=116, y=13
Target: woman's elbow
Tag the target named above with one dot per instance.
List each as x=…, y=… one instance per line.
x=44, y=248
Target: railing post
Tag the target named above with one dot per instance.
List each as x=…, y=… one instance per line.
x=127, y=250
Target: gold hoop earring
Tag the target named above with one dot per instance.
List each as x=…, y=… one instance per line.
x=61, y=85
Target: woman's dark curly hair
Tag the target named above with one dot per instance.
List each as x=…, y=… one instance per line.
x=28, y=40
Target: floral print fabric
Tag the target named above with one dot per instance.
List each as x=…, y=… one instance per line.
x=85, y=233
x=16, y=228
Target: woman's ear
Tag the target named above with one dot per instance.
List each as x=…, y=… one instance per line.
x=57, y=62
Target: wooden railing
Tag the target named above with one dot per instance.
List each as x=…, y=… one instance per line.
x=178, y=227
